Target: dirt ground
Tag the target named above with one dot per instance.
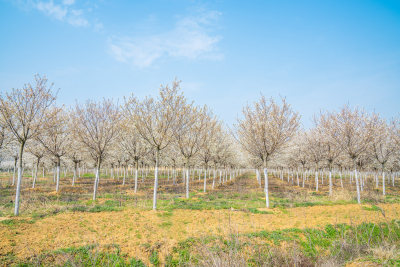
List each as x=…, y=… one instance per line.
x=133, y=228
x=138, y=230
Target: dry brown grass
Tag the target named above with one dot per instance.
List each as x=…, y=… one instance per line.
x=342, y=195
x=131, y=228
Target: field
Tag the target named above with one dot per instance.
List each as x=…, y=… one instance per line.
x=227, y=226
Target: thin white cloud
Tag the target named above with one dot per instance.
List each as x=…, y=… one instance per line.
x=52, y=10
x=78, y=21
x=62, y=11
x=191, y=38
x=68, y=2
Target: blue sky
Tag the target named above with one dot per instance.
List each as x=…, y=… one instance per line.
x=317, y=54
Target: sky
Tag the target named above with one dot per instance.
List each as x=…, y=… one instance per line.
x=320, y=55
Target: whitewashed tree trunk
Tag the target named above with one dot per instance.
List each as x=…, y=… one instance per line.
x=123, y=180
x=205, y=180
x=341, y=180
x=383, y=183
x=330, y=182
x=35, y=174
x=58, y=176
x=96, y=181
x=155, y=183
x=316, y=181
x=74, y=176
x=136, y=179
x=187, y=182
x=19, y=180
x=357, y=186
x=213, y=183
x=266, y=187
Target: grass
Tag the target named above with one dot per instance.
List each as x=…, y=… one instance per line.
x=228, y=225
x=90, y=255
x=372, y=208
x=337, y=244
x=334, y=244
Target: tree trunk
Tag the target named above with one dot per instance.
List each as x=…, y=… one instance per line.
x=266, y=187
x=155, y=182
x=316, y=181
x=205, y=180
x=19, y=180
x=213, y=183
x=341, y=179
x=123, y=180
x=58, y=174
x=357, y=186
x=136, y=175
x=330, y=183
x=75, y=170
x=36, y=172
x=97, y=179
x=383, y=183
x=187, y=181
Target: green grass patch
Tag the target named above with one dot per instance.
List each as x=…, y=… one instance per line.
x=372, y=208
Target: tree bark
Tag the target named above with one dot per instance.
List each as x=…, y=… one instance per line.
x=357, y=186
x=205, y=180
x=15, y=168
x=136, y=175
x=187, y=181
x=74, y=177
x=266, y=187
x=19, y=180
x=97, y=179
x=155, y=182
x=36, y=172
x=58, y=174
x=213, y=183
